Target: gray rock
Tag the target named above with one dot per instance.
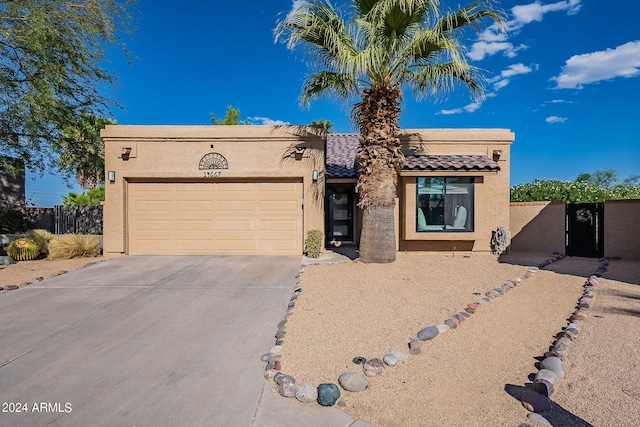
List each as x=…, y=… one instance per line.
x=546, y=374
x=306, y=392
x=401, y=355
x=543, y=387
x=266, y=357
x=287, y=386
x=553, y=364
x=564, y=341
x=6, y=260
x=428, y=333
x=539, y=419
x=353, y=381
x=328, y=394
x=390, y=360
x=450, y=323
x=373, y=367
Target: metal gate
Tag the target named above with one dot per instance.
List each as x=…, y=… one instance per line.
x=585, y=230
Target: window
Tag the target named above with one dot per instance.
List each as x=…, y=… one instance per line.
x=444, y=204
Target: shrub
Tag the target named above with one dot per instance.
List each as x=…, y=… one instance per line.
x=313, y=244
x=23, y=249
x=67, y=246
x=41, y=239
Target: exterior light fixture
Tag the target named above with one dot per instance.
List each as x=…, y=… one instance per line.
x=111, y=175
x=314, y=175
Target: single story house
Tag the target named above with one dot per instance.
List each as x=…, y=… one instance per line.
x=260, y=189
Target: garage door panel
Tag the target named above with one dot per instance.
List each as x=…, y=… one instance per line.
x=215, y=218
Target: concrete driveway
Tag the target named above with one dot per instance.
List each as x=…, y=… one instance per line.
x=145, y=341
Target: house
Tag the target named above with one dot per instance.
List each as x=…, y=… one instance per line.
x=260, y=189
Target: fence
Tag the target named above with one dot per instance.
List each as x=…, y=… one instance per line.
x=68, y=219
x=541, y=227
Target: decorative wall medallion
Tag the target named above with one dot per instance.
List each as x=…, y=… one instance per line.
x=212, y=163
x=584, y=215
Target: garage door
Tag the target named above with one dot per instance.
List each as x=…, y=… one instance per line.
x=215, y=218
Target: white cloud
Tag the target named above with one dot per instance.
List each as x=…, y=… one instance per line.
x=512, y=70
x=267, y=121
x=448, y=112
x=472, y=107
x=623, y=61
x=555, y=119
x=495, y=38
x=534, y=12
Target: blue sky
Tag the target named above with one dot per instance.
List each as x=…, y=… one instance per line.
x=564, y=76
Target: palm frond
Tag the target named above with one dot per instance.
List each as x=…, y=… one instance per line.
x=469, y=16
x=444, y=77
x=341, y=85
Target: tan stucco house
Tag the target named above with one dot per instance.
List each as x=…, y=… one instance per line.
x=260, y=189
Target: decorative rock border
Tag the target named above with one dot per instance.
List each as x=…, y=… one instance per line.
x=49, y=276
x=357, y=381
x=536, y=397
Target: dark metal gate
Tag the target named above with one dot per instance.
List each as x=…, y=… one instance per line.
x=585, y=230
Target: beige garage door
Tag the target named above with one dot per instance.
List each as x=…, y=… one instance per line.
x=215, y=218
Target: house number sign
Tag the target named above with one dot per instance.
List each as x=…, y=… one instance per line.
x=212, y=165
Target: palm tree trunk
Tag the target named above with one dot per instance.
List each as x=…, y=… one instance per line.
x=379, y=158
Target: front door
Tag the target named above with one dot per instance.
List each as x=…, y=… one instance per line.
x=339, y=213
x=585, y=230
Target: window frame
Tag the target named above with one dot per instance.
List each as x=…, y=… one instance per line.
x=446, y=228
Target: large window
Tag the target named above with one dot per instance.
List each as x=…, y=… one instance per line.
x=444, y=204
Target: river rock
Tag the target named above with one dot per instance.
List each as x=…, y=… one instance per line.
x=401, y=355
x=442, y=328
x=353, y=381
x=543, y=387
x=6, y=260
x=553, y=364
x=414, y=346
x=328, y=394
x=373, y=367
x=428, y=333
x=390, y=360
x=535, y=402
x=450, y=324
x=306, y=392
x=546, y=374
x=287, y=386
x=539, y=419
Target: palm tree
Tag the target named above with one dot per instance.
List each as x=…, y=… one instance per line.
x=381, y=48
x=82, y=150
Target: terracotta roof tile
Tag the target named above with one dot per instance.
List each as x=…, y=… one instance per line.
x=458, y=162
x=342, y=150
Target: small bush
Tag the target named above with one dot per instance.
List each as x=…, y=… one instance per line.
x=313, y=245
x=67, y=246
x=42, y=239
x=23, y=249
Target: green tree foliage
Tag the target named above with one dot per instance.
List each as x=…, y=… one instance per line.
x=232, y=117
x=326, y=124
x=90, y=198
x=82, y=150
x=573, y=191
x=368, y=52
x=52, y=54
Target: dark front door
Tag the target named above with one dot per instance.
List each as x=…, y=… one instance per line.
x=585, y=230
x=340, y=213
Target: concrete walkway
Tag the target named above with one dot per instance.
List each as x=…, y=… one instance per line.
x=149, y=341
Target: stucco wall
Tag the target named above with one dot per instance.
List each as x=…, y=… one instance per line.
x=622, y=229
x=491, y=198
x=166, y=153
x=537, y=227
